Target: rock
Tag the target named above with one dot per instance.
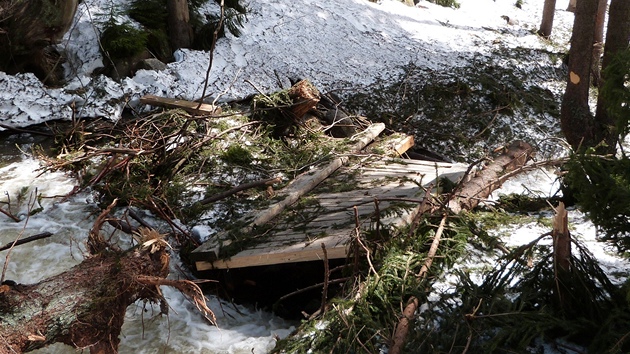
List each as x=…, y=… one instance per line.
x=151, y=64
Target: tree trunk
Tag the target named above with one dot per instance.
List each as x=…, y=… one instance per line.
x=85, y=306
x=598, y=42
x=472, y=191
x=490, y=177
x=561, y=254
x=549, y=9
x=82, y=307
x=616, y=41
x=180, y=31
x=572, y=5
x=576, y=120
x=28, y=28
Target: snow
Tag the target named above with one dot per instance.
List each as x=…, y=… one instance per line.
x=335, y=44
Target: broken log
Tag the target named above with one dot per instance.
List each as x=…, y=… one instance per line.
x=561, y=251
x=266, y=182
x=188, y=106
x=304, y=97
x=85, y=306
x=561, y=239
x=306, y=182
x=491, y=177
x=471, y=192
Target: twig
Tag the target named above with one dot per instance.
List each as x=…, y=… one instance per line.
x=96, y=243
x=137, y=218
x=433, y=249
x=10, y=215
x=215, y=37
x=322, y=309
x=20, y=130
x=187, y=288
x=403, y=326
x=311, y=287
x=244, y=186
x=377, y=212
x=358, y=239
x=31, y=203
x=26, y=240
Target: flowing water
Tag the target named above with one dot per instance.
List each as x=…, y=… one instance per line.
x=184, y=330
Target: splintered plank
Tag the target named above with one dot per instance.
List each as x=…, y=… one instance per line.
x=188, y=106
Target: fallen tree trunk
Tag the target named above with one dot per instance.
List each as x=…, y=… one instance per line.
x=85, y=306
x=491, y=177
x=471, y=192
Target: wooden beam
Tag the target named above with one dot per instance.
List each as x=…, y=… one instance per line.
x=188, y=106
x=403, y=145
x=290, y=254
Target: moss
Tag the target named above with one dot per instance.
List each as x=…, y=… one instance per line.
x=238, y=155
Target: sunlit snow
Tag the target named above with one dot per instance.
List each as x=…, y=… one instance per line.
x=337, y=44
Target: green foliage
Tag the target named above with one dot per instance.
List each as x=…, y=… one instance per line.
x=270, y=108
x=151, y=14
x=364, y=322
x=122, y=40
x=616, y=91
x=447, y=3
x=517, y=304
x=602, y=187
x=234, y=18
x=237, y=154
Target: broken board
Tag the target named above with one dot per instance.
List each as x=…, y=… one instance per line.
x=326, y=216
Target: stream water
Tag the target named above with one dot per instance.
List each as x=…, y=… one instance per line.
x=184, y=330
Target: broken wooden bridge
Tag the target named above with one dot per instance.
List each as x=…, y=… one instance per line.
x=321, y=212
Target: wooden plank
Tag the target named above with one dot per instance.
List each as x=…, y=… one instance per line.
x=334, y=223
x=188, y=106
x=403, y=145
x=295, y=190
x=290, y=254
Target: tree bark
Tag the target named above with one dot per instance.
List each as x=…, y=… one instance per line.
x=572, y=5
x=576, y=120
x=598, y=42
x=616, y=41
x=546, y=25
x=304, y=97
x=83, y=307
x=491, y=177
x=28, y=28
x=180, y=31
x=471, y=192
